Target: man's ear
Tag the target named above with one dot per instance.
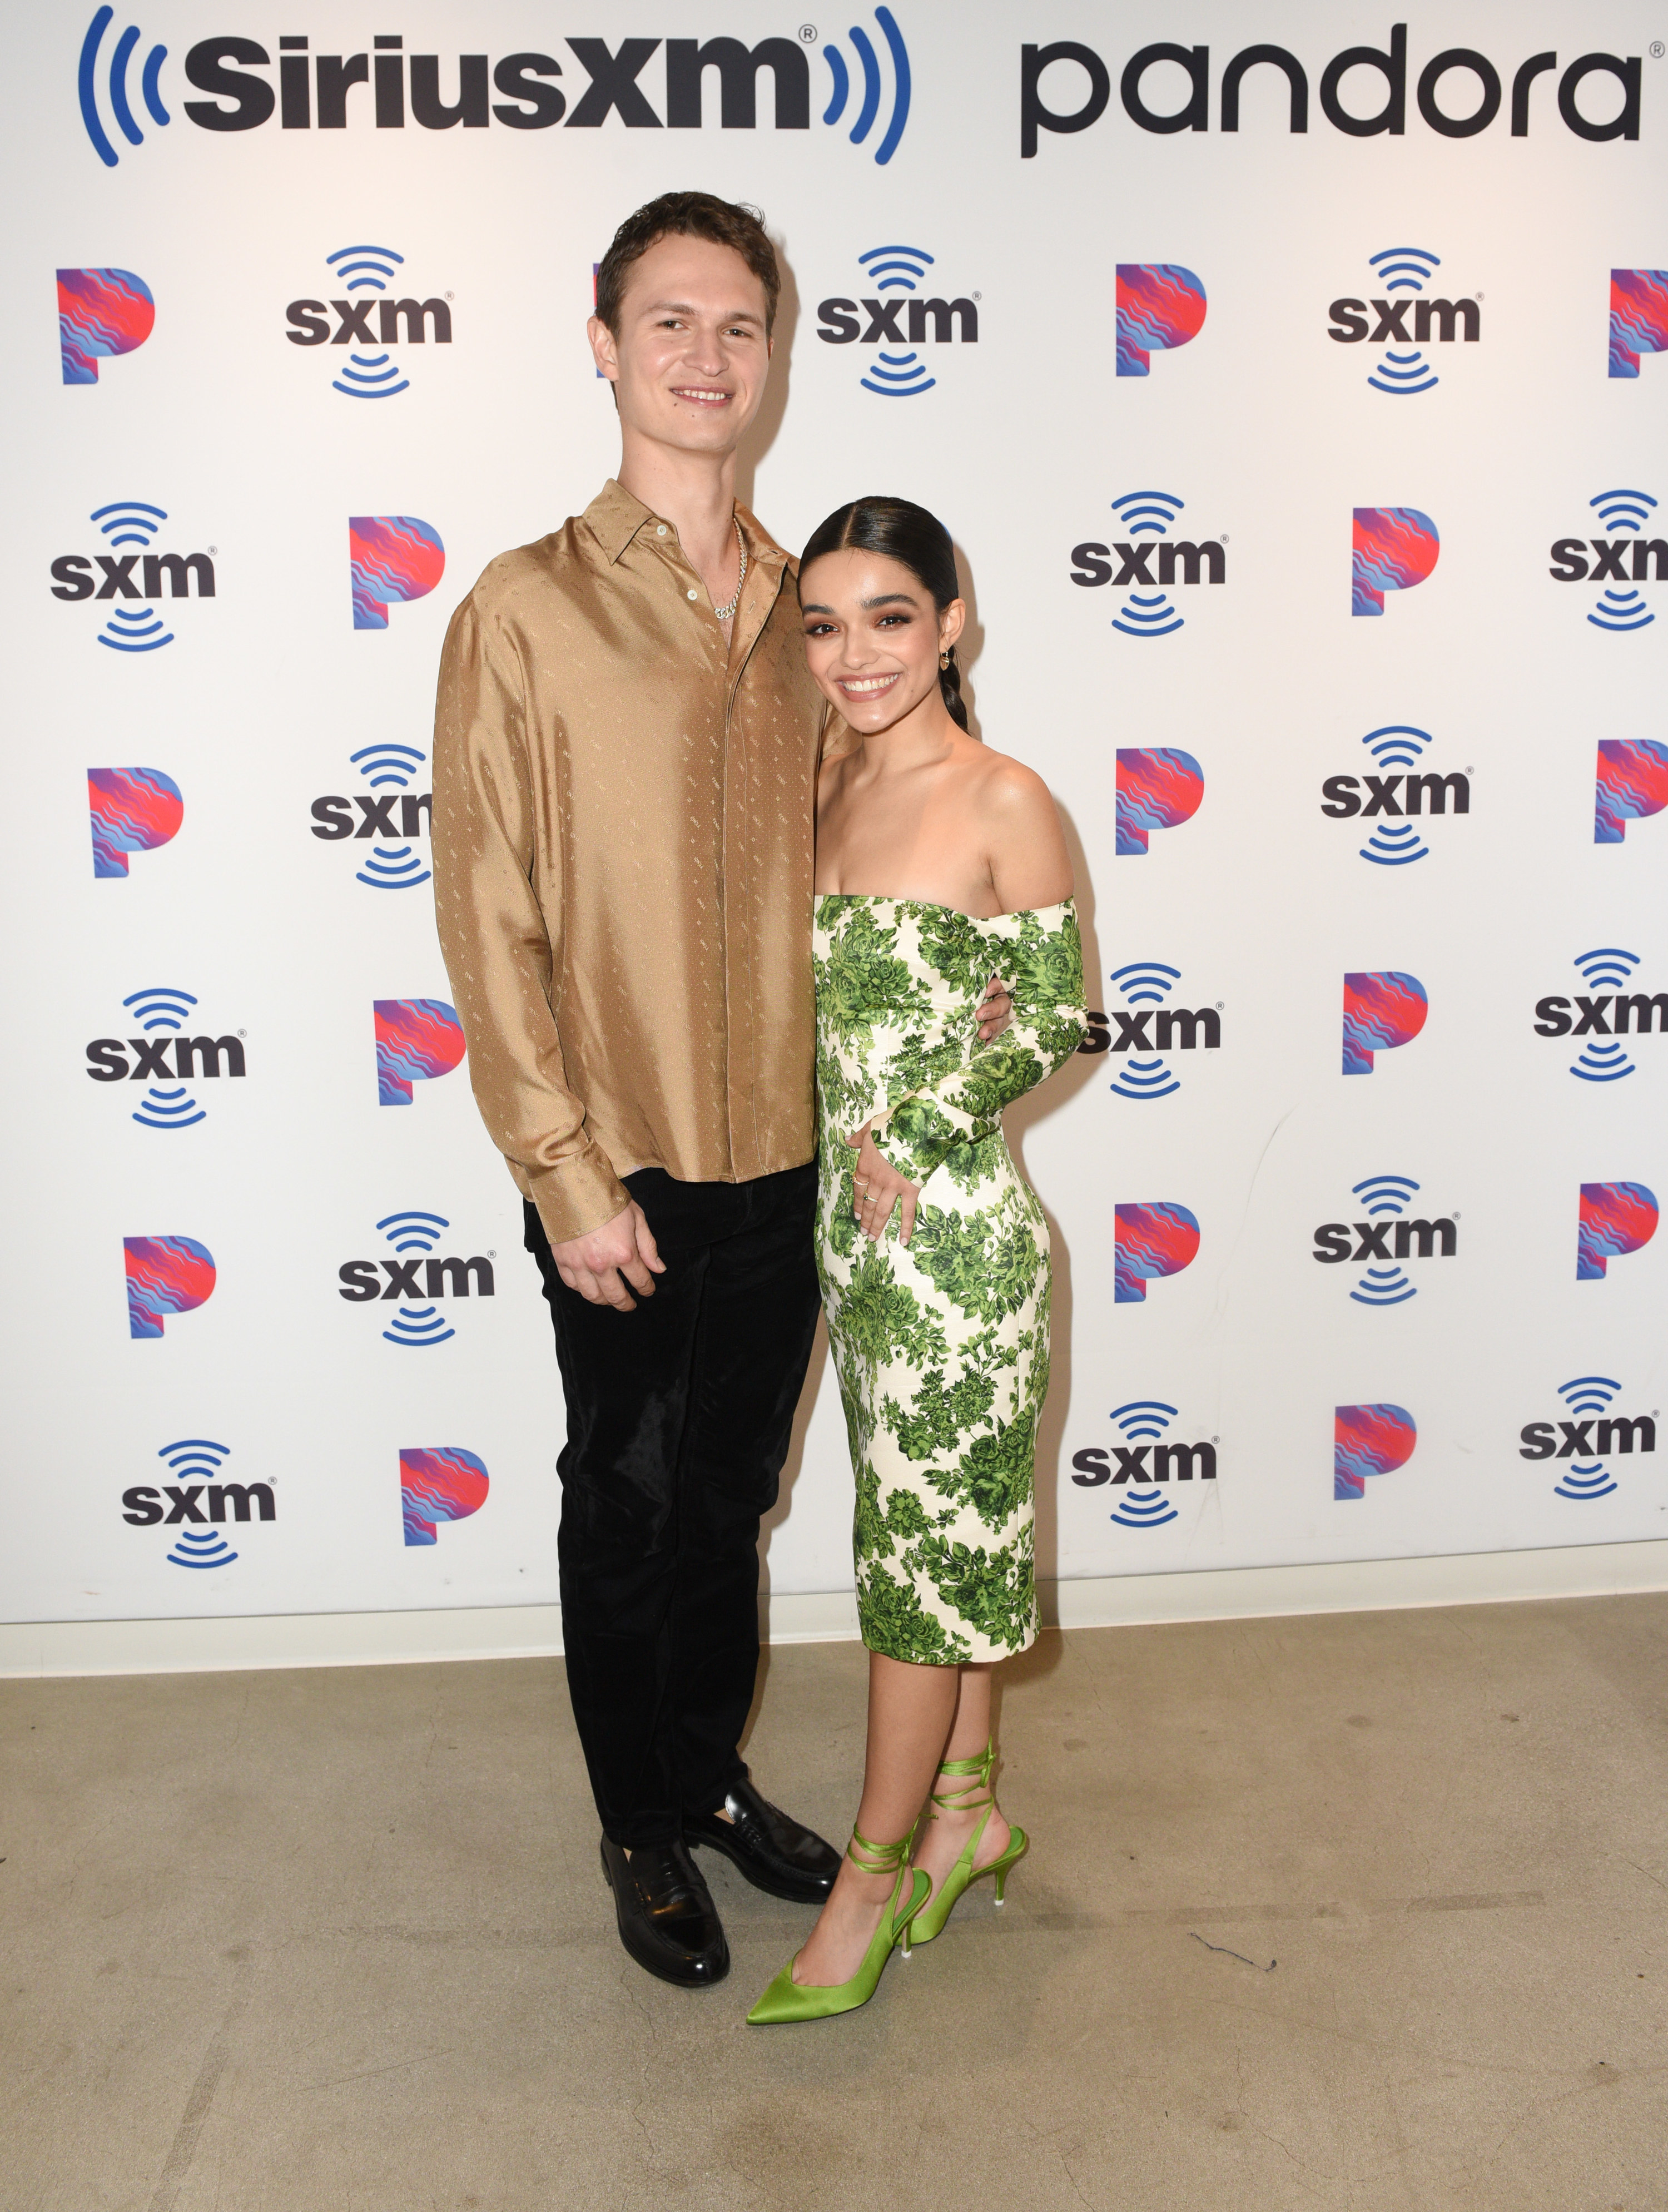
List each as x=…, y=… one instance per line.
x=604, y=350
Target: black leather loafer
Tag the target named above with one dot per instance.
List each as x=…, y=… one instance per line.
x=668, y=1921
x=775, y=1853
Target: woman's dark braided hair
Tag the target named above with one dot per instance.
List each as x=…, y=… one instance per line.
x=899, y=531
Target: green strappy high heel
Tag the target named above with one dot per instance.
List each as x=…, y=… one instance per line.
x=788, y=2000
x=971, y=1776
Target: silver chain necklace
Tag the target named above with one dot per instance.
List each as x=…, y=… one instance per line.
x=726, y=613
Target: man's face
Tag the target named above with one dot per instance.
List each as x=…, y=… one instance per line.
x=689, y=365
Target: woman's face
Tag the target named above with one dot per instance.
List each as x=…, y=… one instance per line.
x=873, y=636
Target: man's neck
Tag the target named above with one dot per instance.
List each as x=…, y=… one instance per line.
x=695, y=493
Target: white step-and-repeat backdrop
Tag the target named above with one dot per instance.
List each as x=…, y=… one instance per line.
x=1355, y=708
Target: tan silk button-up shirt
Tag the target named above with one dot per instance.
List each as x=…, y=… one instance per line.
x=622, y=830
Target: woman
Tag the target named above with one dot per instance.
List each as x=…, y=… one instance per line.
x=936, y=861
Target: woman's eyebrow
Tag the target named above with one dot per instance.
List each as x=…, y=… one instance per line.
x=811, y=607
x=888, y=600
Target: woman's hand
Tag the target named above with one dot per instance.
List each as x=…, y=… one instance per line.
x=878, y=1187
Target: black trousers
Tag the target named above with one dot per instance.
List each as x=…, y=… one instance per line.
x=678, y=1421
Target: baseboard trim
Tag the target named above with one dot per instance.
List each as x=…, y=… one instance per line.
x=383, y=1640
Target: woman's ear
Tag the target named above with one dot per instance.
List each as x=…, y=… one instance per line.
x=952, y=621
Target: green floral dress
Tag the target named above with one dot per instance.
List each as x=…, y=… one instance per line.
x=941, y=1346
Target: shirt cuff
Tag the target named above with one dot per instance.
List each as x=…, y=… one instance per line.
x=576, y=1195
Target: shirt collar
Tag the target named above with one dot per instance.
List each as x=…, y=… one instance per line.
x=613, y=519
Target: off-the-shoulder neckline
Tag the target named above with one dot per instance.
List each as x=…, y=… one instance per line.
x=937, y=906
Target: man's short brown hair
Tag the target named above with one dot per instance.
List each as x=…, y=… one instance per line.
x=687, y=215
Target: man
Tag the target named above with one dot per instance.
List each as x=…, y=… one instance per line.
x=625, y=754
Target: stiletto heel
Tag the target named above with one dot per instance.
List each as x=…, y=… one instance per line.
x=787, y=2000
x=971, y=1775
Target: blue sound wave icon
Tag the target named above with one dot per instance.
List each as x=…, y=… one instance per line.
x=1145, y=983
x=873, y=85
x=196, y=1459
x=1382, y=1194
x=132, y=522
x=1392, y=845
x=1397, y=744
x=390, y=867
x=415, y=1230
x=121, y=104
x=1404, y=269
x=1145, y=1506
x=162, y=1007
x=1607, y=964
x=1588, y=1395
x=1622, y=611
x=1148, y=514
x=361, y=268
x=1143, y=1416
x=897, y=269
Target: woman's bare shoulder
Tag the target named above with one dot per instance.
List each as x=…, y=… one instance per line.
x=1017, y=792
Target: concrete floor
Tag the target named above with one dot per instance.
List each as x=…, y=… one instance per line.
x=1364, y=1912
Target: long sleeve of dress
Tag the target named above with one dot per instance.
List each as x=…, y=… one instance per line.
x=1042, y=964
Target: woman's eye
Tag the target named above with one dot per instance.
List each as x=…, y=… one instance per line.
x=887, y=620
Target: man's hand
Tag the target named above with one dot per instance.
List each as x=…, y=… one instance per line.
x=996, y=1013
x=878, y=1187
x=598, y=1266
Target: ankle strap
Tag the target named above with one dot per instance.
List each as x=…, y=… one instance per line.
x=878, y=1859
x=977, y=1770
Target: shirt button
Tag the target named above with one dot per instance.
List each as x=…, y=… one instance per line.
x=659, y=529
x=694, y=595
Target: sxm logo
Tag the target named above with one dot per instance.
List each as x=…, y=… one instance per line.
x=1587, y=1443
x=1616, y=1218
x=1151, y=1242
x=418, y=1039
x=168, y=1105
x=416, y=1327
x=367, y=269
x=1380, y=800
x=1161, y=305
x=1368, y=1440
x=132, y=522
x=391, y=559
x=1157, y=788
x=166, y=1276
x=901, y=270
x=389, y=770
x=1382, y=1010
x=1149, y=514
x=1632, y=783
x=1404, y=269
x=101, y=313
x=1394, y=549
x=1639, y=317
x=201, y=1499
x=1618, y=510
x=1144, y=985
x=1142, y=1422
x=1384, y=1199
x=1611, y=1014
x=867, y=98
x=129, y=809
x=443, y=1483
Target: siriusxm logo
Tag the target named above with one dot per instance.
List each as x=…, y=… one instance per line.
x=418, y=1039
x=381, y=89
x=1632, y=783
x=101, y=313
x=199, y=1507
x=1639, y=317
x=132, y=522
x=1368, y=1440
x=1588, y=1442
x=1435, y=94
x=374, y=375
x=414, y=1325
x=1616, y=1218
x=1386, y=1236
x=389, y=769
x=900, y=270
x=168, y=1105
x=1395, y=548
x=444, y=1483
x=129, y=809
x=1611, y=1014
x=1157, y=788
x=166, y=1276
x=1620, y=510
x=1404, y=269
x=1151, y=1242
x=1143, y=1506
x=1144, y=986
x=1149, y=514
x=1161, y=305
x=1382, y=1011
x=391, y=559
x=1397, y=747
